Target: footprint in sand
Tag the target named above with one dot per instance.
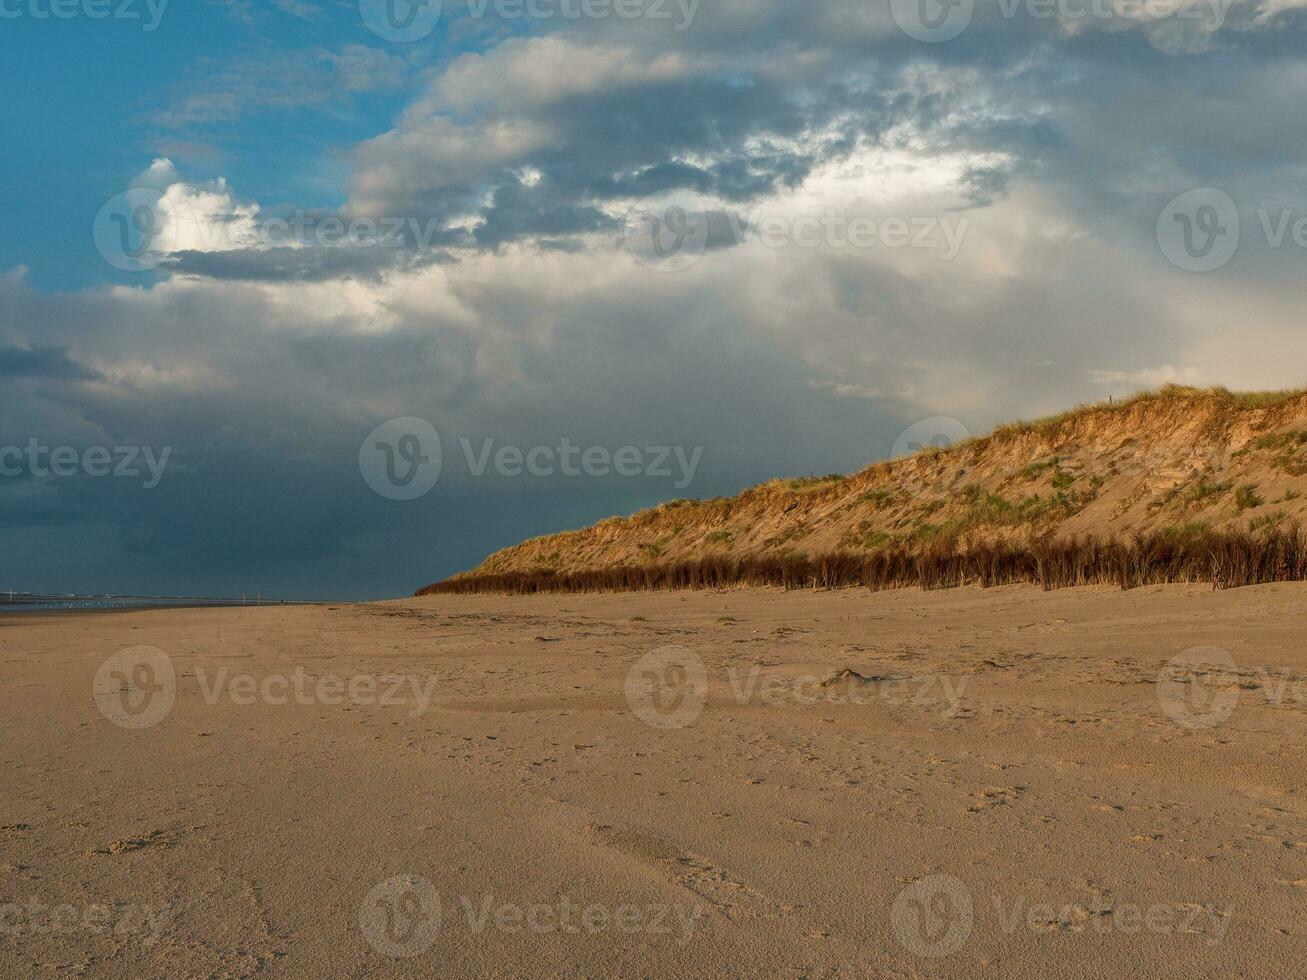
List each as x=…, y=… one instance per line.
x=996, y=796
x=125, y=845
x=694, y=872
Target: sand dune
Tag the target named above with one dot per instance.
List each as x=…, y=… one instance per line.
x=757, y=783
x=1180, y=461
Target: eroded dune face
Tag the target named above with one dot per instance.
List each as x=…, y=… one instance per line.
x=1181, y=461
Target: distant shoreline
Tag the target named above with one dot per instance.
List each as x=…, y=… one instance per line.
x=74, y=605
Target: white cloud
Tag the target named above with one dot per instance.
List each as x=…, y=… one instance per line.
x=1268, y=10
x=400, y=167
x=521, y=74
x=207, y=218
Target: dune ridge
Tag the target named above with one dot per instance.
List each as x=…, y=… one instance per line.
x=1176, y=485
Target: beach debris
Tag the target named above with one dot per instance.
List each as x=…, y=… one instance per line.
x=850, y=676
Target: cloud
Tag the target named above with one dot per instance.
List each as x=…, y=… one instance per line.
x=49, y=363
x=300, y=8
x=523, y=74
x=1268, y=10
x=541, y=137
x=359, y=68
x=327, y=263
x=264, y=378
x=235, y=88
x=1153, y=377
x=204, y=229
x=842, y=389
x=405, y=171
x=511, y=305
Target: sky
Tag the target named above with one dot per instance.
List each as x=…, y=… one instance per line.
x=329, y=299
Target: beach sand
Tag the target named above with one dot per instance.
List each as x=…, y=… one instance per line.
x=660, y=785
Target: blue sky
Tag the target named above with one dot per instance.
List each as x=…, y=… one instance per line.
x=115, y=90
x=869, y=230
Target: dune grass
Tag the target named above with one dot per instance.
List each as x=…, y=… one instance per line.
x=1215, y=397
x=1189, y=555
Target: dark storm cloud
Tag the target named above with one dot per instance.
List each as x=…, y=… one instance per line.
x=50, y=363
x=519, y=211
x=769, y=92
x=319, y=263
x=263, y=490
x=602, y=162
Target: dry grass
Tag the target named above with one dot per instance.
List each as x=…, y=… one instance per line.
x=1216, y=397
x=1224, y=559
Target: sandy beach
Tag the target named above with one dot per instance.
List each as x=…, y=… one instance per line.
x=1081, y=783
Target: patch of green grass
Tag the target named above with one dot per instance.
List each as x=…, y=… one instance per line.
x=1033, y=470
x=927, y=532
x=990, y=508
x=1291, y=464
x=1285, y=445
x=985, y=509
x=864, y=537
x=798, y=531
x=1267, y=522
x=1279, y=440
x=1206, y=491
x=879, y=499
x=866, y=540
x=932, y=507
x=1246, y=498
x=720, y=537
x=1188, y=531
